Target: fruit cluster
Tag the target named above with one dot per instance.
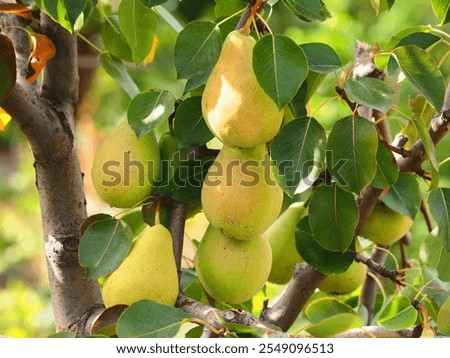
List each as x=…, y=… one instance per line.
x=240, y=197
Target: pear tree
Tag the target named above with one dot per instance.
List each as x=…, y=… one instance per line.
x=307, y=139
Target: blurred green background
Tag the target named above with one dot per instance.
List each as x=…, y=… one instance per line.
x=24, y=298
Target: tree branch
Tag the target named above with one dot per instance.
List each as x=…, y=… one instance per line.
x=375, y=266
x=289, y=304
x=176, y=228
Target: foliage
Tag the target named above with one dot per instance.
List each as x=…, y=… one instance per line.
x=154, y=63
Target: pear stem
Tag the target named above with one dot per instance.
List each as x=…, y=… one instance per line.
x=253, y=7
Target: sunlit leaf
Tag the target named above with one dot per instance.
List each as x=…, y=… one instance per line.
x=148, y=109
x=5, y=118
x=68, y=13
x=299, y=154
x=42, y=50
x=113, y=39
x=398, y=314
x=443, y=319
x=103, y=247
x=441, y=8
x=148, y=319
x=151, y=55
x=439, y=202
x=115, y=68
x=280, y=67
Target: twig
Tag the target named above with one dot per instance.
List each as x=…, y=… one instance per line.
x=176, y=227
x=341, y=92
x=288, y=305
x=375, y=332
x=379, y=269
x=426, y=214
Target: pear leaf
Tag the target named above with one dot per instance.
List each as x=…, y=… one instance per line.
x=404, y=196
x=439, y=202
x=114, y=40
x=398, y=314
x=308, y=10
x=115, y=68
x=442, y=10
x=387, y=168
x=434, y=255
x=299, y=154
x=138, y=25
x=421, y=70
x=351, y=153
x=196, y=51
x=443, y=319
x=149, y=319
x=103, y=247
x=280, y=67
x=328, y=262
x=321, y=57
x=370, y=92
x=333, y=216
x=68, y=13
x=148, y=109
x=189, y=126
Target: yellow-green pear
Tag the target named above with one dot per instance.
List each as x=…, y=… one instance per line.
x=385, y=226
x=235, y=107
x=239, y=195
x=281, y=236
x=232, y=271
x=348, y=281
x=125, y=167
x=148, y=272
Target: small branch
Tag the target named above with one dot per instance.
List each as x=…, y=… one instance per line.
x=176, y=228
x=426, y=214
x=375, y=332
x=341, y=92
x=379, y=269
x=404, y=241
x=288, y=305
x=370, y=288
x=253, y=7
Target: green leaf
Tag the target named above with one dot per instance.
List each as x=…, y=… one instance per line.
x=441, y=9
x=148, y=319
x=151, y=3
x=185, y=184
x=65, y=12
x=351, y=153
x=228, y=7
x=189, y=126
x=104, y=246
x=443, y=320
x=115, y=68
x=421, y=70
x=439, y=202
x=196, y=51
x=321, y=57
x=138, y=25
x=370, y=92
x=148, y=109
x=280, y=67
x=308, y=10
x=403, y=38
x=328, y=262
x=298, y=104
x=434, y=255
x=422, y=111
x=330, y=317
x=430, y=150
x=114, y=40
x=398, y=314
x=387, y=168
x=299, y=154
x=420, y=39
x=333, y=216
x=63, y=334
x=404, y=196
x=7, y=66
x=382, y=5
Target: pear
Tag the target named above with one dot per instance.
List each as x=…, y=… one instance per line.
x=347, y=281
x=125, y=167
x=281, y=236
x=385, y=226
x=235, y=107
x=148, y=272
x=232, y=271
x=239, y=195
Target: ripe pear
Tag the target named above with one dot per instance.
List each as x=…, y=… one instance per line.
x=148, y=272
x=232, y=271
x=385, y=226
x=235, y=107
x=239, y=195
x=125, y=167
x=348, y=281
x=281, y=236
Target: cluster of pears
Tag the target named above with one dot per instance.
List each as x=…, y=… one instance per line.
x=239, y=196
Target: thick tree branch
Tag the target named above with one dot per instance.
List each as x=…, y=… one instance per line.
x=288, y=305
x=176, y=228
